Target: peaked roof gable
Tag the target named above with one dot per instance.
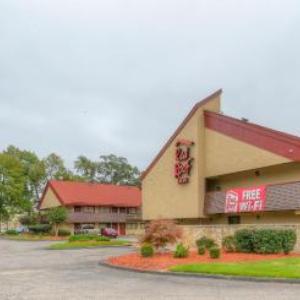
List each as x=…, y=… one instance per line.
x=178, y=130
x=280, y=143
x=71, y=193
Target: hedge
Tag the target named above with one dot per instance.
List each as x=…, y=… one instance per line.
x=265, y=241
x=40, y=228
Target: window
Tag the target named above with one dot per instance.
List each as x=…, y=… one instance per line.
x=234, y=220
x=104, y=209
x=77, y=208
x=114, y=210
x=89, y=209
x=132, y=210
x=122, y=210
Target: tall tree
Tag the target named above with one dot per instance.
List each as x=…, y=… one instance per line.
x=55, y=168
x=86, y=168
x=33, y=170
x=12, y=187
x=116, y=170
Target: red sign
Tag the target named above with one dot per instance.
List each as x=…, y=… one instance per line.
x=245, y=199
x=183, y=161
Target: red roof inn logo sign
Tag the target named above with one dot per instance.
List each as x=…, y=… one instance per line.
x=245, y=200
x=183, y=161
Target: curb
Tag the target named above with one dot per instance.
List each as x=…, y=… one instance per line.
x=104, y=263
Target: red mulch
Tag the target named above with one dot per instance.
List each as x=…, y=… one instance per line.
x=164, y=261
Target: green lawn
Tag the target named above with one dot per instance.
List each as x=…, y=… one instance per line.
x=87, y=244
x=277, y=268
x=28, y=237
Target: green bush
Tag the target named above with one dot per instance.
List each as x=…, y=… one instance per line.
x=205, y=242
x=147, y=250
x=228, y=243
x=102, y=239
x=64, y=232
x=27, y=220
x=288, y=240
x=40, y=228
x=11, y=232
x=267, y=241
x=243, y=240
x=181, y=251
x=214, y=252
x=83, y=237
x=201, y=250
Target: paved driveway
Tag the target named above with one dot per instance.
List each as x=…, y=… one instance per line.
x=28, y=271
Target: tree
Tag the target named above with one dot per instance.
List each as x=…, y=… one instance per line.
x=86, y=168
x=116, y=170
x=33, y=171
x=55, y=168
x=57, y=216
x=162, y=232
x=12, y=187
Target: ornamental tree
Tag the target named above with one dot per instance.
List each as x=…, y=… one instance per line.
x=57, y=216
x=159, y=233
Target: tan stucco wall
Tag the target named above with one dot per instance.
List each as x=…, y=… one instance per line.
x=226, y=155
x=50, y=200
x=162, y=196
x=276, y=174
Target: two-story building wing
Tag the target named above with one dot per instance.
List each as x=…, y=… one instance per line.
x=94, y=205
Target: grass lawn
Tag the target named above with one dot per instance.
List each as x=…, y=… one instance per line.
x=87, y=244
x=31, y=237
x=277, y=268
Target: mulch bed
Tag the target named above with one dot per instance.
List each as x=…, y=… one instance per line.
x=162, y=262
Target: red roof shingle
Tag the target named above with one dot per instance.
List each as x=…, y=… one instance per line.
x=72, y=193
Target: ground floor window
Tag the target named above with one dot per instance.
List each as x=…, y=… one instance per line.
x=132, y=226
x=234, y=220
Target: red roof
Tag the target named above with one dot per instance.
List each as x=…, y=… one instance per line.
x=71, y=193
x=277, y=142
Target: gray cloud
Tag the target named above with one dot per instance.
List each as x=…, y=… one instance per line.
x=91, y=77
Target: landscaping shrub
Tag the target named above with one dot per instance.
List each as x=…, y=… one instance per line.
x=162, y=232
x=289, y=239
x=64, y=232
x=267, y=241
x=201, y=250
x=40, y=228
x=243, y=240
x=11, y=232
x=228, y=243
x=181, y=251
x=102, y=239
x=147, y=250
x=27, y=220
x=214, y=252
x=205, y=242
x=83, y=237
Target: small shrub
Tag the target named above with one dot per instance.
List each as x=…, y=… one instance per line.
x=27, y=220
x=40, y=228
x=181, y=251
x=160, y=233
x=83, y=237
x=205, y=242
x=102, y=239
x=147, y=250
x=11, y=232
x=64, y=232
x=214, y=252
x=243, y=240
x=288, y=240
x=228, y=243
x=201, y=250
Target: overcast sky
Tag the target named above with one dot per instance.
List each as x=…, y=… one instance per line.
x=118, y=76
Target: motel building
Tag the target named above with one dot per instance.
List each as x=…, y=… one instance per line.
x=217, y=174
x=94, y=206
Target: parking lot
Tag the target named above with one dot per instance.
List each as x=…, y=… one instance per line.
x=28, y=271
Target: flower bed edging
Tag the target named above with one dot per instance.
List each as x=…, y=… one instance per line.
x=104, y=263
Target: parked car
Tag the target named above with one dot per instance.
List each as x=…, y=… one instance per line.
x=87, y=229
x=22, y=229
x=109, y=232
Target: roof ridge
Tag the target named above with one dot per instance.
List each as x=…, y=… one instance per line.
x=179, y=128
x=268, y=131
